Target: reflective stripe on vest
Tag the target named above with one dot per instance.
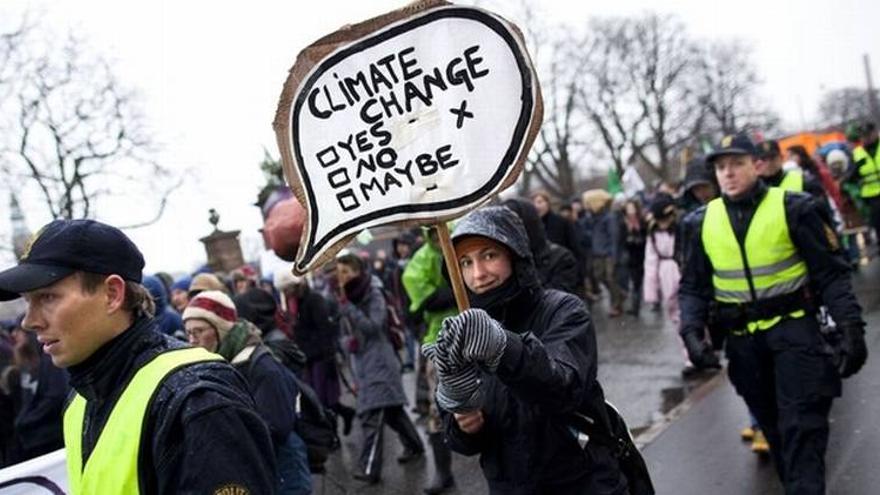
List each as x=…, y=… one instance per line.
x=793, y=181
x=112, y=467
x=776, y=268
x=869, y=171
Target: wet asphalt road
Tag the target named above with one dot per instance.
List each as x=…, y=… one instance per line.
x=640, y=363
x=701, y=451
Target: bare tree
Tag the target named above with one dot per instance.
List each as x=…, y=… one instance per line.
x=77, y=135
x=845, y=105
x=728, y=86
x=607, y=95
x=660, y=63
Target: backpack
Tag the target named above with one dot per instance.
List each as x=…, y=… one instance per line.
x=315, y=424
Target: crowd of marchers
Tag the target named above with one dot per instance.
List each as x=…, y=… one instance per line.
x=266, y=370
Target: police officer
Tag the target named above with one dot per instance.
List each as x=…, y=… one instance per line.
x=866, y=163
x=765, y=255
x=149, y=415
x=769, y=160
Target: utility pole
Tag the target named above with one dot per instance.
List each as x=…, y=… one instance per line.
x=872, y=96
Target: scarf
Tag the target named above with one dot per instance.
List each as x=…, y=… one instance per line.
x=242, y=334
x=496, y=299
x=357, y=288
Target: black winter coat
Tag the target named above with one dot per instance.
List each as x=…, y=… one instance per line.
x=202, y=432
x=547, y=371
x=274, y=390
x=315, y=330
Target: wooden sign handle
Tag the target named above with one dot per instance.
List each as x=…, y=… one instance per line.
x=461, y=297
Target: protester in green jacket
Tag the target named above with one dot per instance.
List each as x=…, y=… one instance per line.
x=432, y=298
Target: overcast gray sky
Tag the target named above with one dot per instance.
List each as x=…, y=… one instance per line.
x=210, y=74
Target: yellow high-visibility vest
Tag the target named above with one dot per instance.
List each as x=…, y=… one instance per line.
x=776, y=268
x=112, y=467
x=869, y=171
x=792, y=181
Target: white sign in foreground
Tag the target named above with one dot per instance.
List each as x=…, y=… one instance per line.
x=44, y=475
x=413, y=117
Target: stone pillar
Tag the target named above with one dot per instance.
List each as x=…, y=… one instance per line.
x=224, y=251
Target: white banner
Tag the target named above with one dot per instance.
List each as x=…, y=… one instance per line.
x=44, y=475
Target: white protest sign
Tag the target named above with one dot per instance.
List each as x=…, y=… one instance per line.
x=416, y=116
x=46, y=474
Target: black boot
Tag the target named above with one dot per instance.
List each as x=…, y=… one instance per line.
x=443, y=479
x=346, y=413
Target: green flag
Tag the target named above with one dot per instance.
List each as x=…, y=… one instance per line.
x=614, y=185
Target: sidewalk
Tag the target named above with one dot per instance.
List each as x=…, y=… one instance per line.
x=700, y=451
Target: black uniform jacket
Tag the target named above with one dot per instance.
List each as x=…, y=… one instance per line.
x=815, y=241
x=202, y=433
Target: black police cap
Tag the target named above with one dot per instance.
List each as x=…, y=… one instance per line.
x=769, y=149
x=66, y=246
x=739, y=144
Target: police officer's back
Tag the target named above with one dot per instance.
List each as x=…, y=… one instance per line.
x=766, y=258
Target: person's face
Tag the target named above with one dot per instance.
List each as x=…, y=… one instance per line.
x=70, y=323
x=567, y=214
x=242, y=286
x=704, y=192
x=200, y=333
x=403, y=250
x=736, y=174
x=541, y=205
x=179, y=299
x=631, y=210
x=576, y=208
x=485, y=268
x=768, y=166
x=345, y=273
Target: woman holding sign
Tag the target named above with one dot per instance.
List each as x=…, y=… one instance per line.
x=518, y=372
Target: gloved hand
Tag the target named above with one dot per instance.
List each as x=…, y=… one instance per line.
x=700, y=352
x=853, y=351
x=458, y=388
x=471, y=337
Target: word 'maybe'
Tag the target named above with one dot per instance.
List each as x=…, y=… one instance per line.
x=364, y=165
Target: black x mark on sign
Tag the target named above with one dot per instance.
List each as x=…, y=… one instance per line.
x=461, y=112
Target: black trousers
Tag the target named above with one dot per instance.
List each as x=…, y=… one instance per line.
x=373, y=424
x=788, y=381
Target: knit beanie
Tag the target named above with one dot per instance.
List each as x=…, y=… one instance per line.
x=214, y=307
x=207, y=281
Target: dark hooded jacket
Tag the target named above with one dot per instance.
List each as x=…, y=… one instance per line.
x=548, y=370
x=201, y=432
x=167, y=319
x=557, y=267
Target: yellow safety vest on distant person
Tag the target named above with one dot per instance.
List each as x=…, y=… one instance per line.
x=869, y=172
x=776, y=268
x=793, y=181
x=112, y=467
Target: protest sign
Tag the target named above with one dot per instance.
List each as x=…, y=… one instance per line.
x=46, y=474
x=413, y=117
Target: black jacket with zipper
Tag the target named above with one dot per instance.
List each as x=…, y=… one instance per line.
x=201, y=433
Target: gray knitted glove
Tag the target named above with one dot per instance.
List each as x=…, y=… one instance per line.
x=458, y=388
x=471, y=337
